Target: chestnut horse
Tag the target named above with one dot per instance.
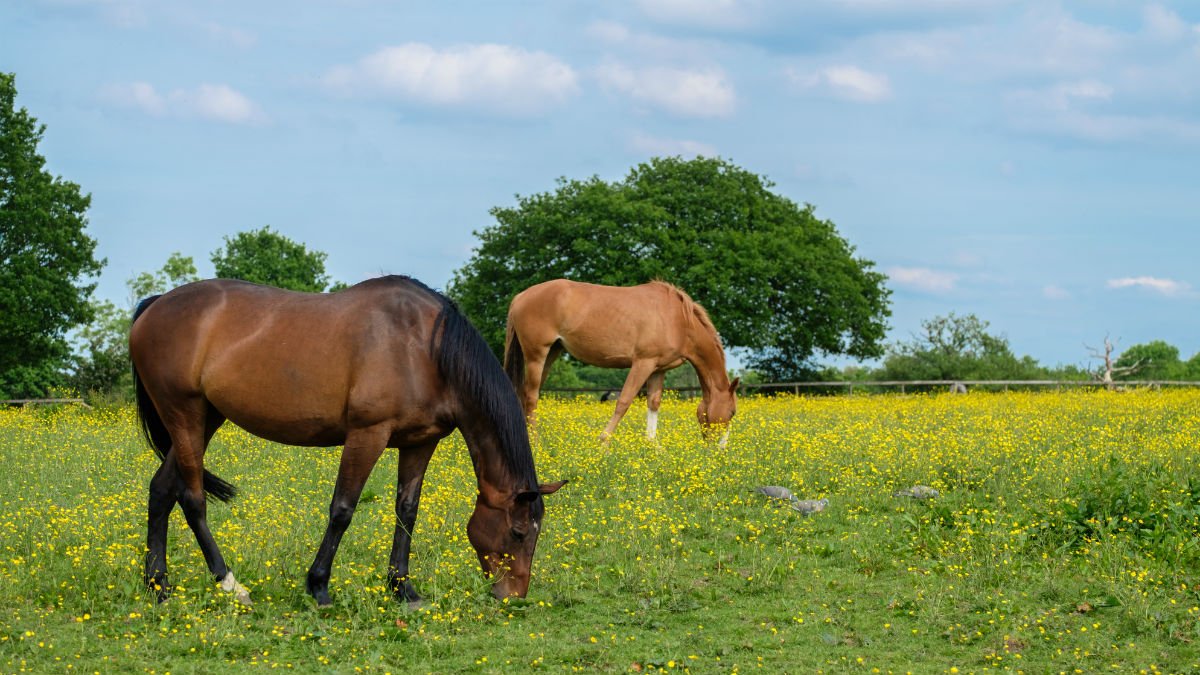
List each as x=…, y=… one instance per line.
x=649, y=329
x=387, y=363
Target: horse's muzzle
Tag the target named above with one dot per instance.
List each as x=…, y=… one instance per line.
x=510, y=586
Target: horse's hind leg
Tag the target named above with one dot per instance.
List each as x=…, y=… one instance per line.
x=165, y=489
x=409, y=478
x=190, y=432
x=539, y=358
x=163, y=494
x=363, y=448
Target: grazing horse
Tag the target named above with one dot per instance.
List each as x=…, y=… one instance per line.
x=649, y=329
x=387, y=363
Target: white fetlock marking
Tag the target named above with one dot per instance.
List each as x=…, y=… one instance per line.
x=230, y=585
x=724, y=439
x=651, y=423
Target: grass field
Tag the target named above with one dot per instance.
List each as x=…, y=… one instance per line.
x=1064, y=540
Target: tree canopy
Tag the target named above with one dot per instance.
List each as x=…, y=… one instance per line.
x=46, y=257
x=1156, y=360
x=778, y=282
x=267, y=257
x=956, y=347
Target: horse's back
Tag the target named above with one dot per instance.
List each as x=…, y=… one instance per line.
x=290, y=366
x=603, y=325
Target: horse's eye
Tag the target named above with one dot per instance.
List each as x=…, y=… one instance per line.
x=518, y=534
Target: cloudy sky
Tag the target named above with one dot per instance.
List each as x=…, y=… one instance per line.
x=1036, y=163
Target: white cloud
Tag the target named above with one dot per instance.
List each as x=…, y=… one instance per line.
x=140, y=95
x=661, y=147
x=649, y=47
x=1163, y=24
x=214, y=102
x=1061, y=96
x=846, y=82
x=240, y=38
x=1080, y=109
x=217, y=102
x=1168, y=287
x=923, y=279
x=684, y=92
x=1053, y=292
x=487, y=77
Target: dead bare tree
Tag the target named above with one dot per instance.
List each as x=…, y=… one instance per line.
x=1106, y=374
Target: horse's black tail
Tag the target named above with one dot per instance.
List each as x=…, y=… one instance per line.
x=514, y=357
x=155, y=431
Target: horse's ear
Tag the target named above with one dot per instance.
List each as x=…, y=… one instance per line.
x=543, y=489
x=550, y=488
x=734, y=385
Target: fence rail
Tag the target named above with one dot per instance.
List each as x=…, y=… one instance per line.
x=904, y=385
x=21, y=402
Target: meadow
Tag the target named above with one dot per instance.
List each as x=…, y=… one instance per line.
x=1064, y=539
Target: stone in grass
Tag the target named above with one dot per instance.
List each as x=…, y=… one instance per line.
x=917, y=492
x=810, y=506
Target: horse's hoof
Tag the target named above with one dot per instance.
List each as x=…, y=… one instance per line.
x=408, y=595
x=162, y=592
x=414, y=605
x=230, y=584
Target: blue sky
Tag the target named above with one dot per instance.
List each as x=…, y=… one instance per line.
x=1034, y=163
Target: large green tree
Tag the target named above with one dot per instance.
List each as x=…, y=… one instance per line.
x=956, y=347
x=1156, y=360
x=267, y=257
x=46, y=257
x=779, y=283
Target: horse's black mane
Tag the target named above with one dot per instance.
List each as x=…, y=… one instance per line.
x=466, y=362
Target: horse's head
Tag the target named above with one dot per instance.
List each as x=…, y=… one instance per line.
x=716, y=410
x=504, y=531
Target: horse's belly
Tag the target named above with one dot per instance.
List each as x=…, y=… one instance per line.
x=609, y=356
x=293, y=418
x=596, y=353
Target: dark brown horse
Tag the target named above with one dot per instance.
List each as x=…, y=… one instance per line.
x=388, y=363
x=649, y=329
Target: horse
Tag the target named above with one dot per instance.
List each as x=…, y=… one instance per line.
x=387, y=363
x=649, y=329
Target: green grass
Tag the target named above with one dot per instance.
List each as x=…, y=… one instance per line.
x=1065, y=539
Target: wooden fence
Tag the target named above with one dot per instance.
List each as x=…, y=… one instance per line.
x=903, y=386
x=21, y=402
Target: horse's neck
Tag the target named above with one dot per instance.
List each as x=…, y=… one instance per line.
x=491, y=469
x=707, y=357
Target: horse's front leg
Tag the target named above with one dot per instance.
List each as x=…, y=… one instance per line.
x=633, y=382
x=363, y=448
x=409, y=478
x=654, y=393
